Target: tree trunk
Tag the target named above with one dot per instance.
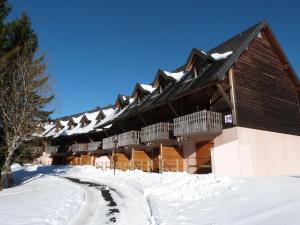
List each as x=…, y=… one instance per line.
x=7, y=179
x=6, y=175
x=0, y=183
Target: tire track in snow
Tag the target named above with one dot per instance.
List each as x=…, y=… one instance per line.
x=106, y=194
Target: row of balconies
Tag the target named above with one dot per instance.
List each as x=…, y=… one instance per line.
x=199, y=123
x=92, y=146
x=86, y=147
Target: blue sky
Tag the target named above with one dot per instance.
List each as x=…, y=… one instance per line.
x=98, y=49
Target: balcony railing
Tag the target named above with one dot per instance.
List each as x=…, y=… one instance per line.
x=129, y=138
x=197, y=123
x=93, y=146
x=110, y=142
x=51, y=149
x=156, y=132
x=80, y=147
x=37, y=150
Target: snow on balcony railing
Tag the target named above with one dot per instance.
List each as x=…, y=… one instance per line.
x=199, y=122
x=51, y=149
x=155, y=132
x=93, y=146
x=80, y=147
x=110, y=142
x=129, y=138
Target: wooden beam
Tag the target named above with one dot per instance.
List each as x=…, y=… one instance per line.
x=232, y=95
x=172, y=109
x=223, y=93
x=120, y=125
x=298, y=98
x=142, y=119
x=106, y=133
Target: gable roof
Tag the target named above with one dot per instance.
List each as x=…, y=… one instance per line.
x=122, y=100
x=143, y=88
x=216, y=71
x=197, y=53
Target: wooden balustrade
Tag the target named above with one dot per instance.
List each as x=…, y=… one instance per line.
x=82, y=147
x=93, y=146
x=129, y=138
x=51, y=149
x=110, y=142
x=156, y=132
x=197, y=123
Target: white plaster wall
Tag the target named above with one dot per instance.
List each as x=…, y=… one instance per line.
x=249, y=152
x=272, y=153
x=225, y=159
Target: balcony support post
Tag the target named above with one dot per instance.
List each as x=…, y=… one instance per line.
x=225, y=96
x=142, y=119
x=120, y=125
x=106, y=133
x=160, y=159
x=172, y=109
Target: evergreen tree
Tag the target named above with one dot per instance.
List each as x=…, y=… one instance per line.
x=23, y=92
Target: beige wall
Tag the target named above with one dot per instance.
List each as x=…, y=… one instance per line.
x=249, y=152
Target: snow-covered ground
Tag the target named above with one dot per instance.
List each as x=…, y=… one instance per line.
x=85, y=195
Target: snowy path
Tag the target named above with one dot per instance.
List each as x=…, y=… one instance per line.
x=125, y=205
x=87, y=196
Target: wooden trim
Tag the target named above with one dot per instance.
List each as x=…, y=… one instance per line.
x=106, y=133
x=172, y=109
x=120, y=125
x=298, y=98
x=232, y=95
x=142, y=119
x=226, y=98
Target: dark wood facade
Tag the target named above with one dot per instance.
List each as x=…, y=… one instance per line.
x=266, y=96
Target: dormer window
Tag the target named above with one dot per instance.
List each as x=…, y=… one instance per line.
x=140, y=92
x=122, y=101
x=160, y=89
x=71, y=124
x=84, y=121
x=100, y=116
x=57, y=129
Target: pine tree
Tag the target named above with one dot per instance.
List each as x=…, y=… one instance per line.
x=23, y=87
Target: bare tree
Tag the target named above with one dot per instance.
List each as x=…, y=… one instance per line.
x=23, y=97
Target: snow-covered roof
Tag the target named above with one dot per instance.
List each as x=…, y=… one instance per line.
x=54, y=133
x=176, y=75
x=219, y=56
x=147, y=87
x=108, y=111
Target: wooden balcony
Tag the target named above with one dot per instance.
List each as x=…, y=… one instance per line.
x=51, y=149
x=110, y=142
x=156, y=132
x=130, y=138
x=83, y=147
x=37, y=150
x=93, y=146
x=199, y=123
